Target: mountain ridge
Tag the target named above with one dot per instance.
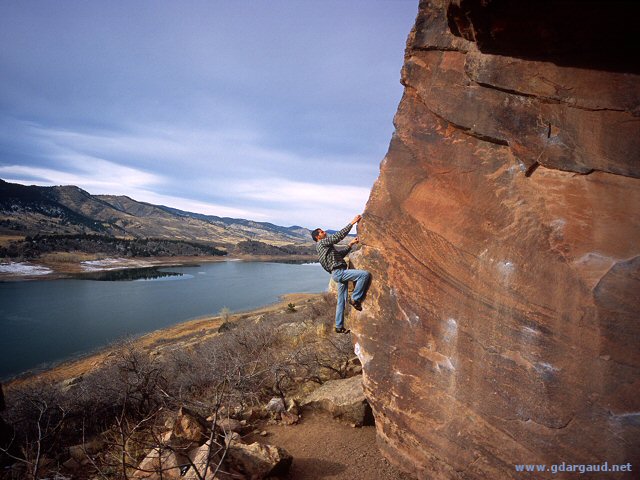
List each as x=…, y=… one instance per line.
x=68, y=209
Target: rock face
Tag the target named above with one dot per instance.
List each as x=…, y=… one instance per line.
x=503, y=235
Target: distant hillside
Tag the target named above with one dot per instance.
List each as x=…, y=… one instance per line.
x=253, y=247
x=69, y=210
x=35, y=247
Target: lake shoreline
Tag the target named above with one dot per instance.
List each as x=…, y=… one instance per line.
x=57, y=268
x=175, y=336
x=45, y=322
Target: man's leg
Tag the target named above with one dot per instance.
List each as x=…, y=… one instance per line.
x=361, y=277
x=343, y=294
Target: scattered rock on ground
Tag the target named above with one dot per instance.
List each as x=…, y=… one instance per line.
x=292, y=407
x=189, y=430
x=275, y=405
x=71, y=464
x=229, y=425
x=202, y=459
x=354, y=366
x=344, y=399
x=292, y=329
x=258, y=461
x=70, y=383
x=252, y=414
x=289, y=418
x=232, y=437
x=80, y=452
x=160, y=465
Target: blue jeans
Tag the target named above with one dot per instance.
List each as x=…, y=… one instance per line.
x=341, y=277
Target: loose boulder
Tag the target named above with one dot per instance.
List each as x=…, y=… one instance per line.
x=275, y=405
x=344, y=399
x=258, y=461
x=161, y=464
x=229, y=425
x=289, y=418
x=189, y=430
x=80, y=452
x=203, y=463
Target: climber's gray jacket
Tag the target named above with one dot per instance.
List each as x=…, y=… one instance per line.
x=330, y=258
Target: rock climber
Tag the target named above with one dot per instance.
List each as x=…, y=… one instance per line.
x=332, y=260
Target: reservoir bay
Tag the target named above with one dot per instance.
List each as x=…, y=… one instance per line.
x=48, y=321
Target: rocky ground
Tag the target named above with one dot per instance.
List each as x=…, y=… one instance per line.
x=325, y=448
x=172, y=380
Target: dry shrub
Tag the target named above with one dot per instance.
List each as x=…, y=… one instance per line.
x=322, y=329
x=127, y=396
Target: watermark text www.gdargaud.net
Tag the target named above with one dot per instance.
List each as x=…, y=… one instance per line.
x=604, y=467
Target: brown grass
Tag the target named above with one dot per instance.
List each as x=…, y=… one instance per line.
x=6, y=239
x=70, y=257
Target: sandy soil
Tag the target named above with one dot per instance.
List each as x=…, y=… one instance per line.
x=326, y=449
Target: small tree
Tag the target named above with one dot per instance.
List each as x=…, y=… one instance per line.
x=225, y=315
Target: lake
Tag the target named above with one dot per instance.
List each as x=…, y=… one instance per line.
x=43, y=322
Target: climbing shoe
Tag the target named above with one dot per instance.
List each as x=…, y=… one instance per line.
x=355, y=304
x=342, y=330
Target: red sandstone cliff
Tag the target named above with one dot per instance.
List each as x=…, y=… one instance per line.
x=503, y=234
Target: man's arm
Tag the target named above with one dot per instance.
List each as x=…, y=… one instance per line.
x=336, y=237
x=345, y=252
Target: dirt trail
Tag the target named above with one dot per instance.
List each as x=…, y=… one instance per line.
x=323, y=448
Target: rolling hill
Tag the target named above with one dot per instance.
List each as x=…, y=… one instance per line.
x=69, y=210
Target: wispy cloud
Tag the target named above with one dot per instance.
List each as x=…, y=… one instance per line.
x=281, y=191
x=190, y=205
x=102, y=177
x=94, y=174
x=253, y=110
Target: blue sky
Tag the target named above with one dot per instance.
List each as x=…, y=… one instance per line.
x=276, y=111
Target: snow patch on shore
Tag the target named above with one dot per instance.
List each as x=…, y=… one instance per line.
x=105, y=264
x=23, y=268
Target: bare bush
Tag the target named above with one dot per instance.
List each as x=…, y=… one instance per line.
x=127, y=401
x=141, y=379
x=324, y=358
x=131, y=378
x=37, y=415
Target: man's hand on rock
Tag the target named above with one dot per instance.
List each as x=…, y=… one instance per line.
x=356, y=219
x=354, y=241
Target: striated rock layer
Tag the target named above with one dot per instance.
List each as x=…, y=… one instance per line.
x=503, y=234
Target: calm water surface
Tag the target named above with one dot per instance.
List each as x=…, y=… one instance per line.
x=42, y=322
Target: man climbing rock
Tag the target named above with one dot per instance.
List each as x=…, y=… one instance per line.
x=332, y=260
